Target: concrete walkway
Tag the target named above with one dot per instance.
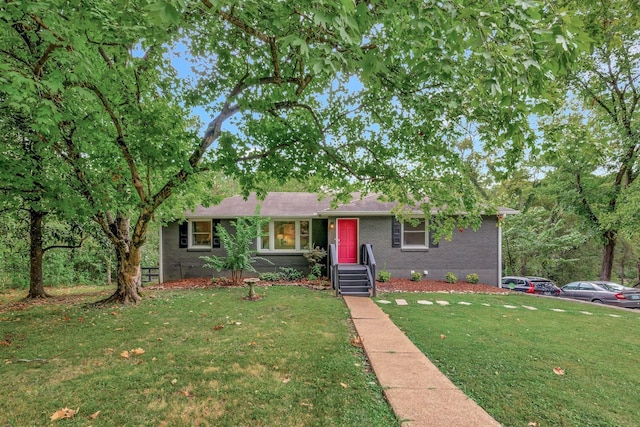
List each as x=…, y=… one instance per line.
x=418, y=392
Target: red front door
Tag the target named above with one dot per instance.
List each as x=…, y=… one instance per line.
x=347, y=241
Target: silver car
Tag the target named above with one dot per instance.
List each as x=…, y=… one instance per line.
x=603, y=293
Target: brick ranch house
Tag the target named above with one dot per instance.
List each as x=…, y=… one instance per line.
x=352, y=233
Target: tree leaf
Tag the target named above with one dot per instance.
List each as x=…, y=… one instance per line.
x=63, y=413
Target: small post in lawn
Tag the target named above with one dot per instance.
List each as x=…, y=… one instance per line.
x=251, y=281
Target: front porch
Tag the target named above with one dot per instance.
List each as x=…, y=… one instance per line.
x=353, y=279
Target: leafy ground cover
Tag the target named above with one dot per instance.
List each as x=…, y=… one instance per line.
x=187, y=357
x=531, y=361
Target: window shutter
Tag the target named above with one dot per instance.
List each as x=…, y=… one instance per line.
x=184, y=234
x=432, y=244
x=396, y=233
x=215, y=242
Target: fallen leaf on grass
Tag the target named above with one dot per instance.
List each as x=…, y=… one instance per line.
x=442, y=336
x=119, y=329
x=174, y=381
x=64, y=413
x=286, y=380
x=125, y=354
x=186, y=393
x=218, y=327
x=533, y=424
x=252, y=343
x=94, y=415
x=558, y=371
x=138, y=351
x=344, y=385
x=356, y=342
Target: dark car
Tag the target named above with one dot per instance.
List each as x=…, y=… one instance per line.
x=603, y=293
x=530, y=285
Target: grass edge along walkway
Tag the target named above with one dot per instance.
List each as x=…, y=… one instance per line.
x=418, y=392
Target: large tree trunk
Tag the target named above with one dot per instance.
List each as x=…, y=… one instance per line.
x=129, y=276
x=36, y=254
x=607, y=254
x=129, y=258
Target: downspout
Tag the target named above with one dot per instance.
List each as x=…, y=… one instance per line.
x=160, y=269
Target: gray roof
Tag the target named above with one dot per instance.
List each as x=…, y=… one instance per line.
x=300, y=205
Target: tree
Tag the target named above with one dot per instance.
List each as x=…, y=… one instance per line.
x=605, y=80
x=30, y=182
x=537, y=242
x=360, y=95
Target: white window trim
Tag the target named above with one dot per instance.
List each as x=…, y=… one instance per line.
x=190, y=232
x=271, y=249
x=426, y=236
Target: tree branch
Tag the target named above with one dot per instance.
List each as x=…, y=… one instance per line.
x=120, y=140
x=37, y=69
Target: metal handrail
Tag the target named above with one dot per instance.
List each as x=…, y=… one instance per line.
x=333, y=268
x=367, y=258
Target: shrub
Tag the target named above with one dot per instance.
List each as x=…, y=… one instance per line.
x=473, y=278
x=290, y=273
x=384, y=276
x=271, y=277
x=240, y=257
x=416, y=276
x=450, y=277
x=316, y=271
x=315, y=256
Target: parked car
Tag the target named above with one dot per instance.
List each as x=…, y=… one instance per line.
x=530, y=285
x=603, y=293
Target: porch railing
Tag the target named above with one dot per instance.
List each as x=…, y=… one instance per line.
x=367, y=258
x=333, y=266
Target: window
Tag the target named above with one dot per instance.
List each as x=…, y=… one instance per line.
x=415, y=236
x=286, y=235
x=412, y=235
x=201, y=233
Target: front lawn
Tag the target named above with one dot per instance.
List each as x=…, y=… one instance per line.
x=187, y=358
x=502, y=350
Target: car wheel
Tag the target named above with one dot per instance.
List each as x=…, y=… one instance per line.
x=597, y=301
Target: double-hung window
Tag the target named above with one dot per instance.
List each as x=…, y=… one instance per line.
x=415, y=234
x=286, y=235
x=202, y=234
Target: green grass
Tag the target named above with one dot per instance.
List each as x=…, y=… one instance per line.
x=210, y=358
x=503, y=358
